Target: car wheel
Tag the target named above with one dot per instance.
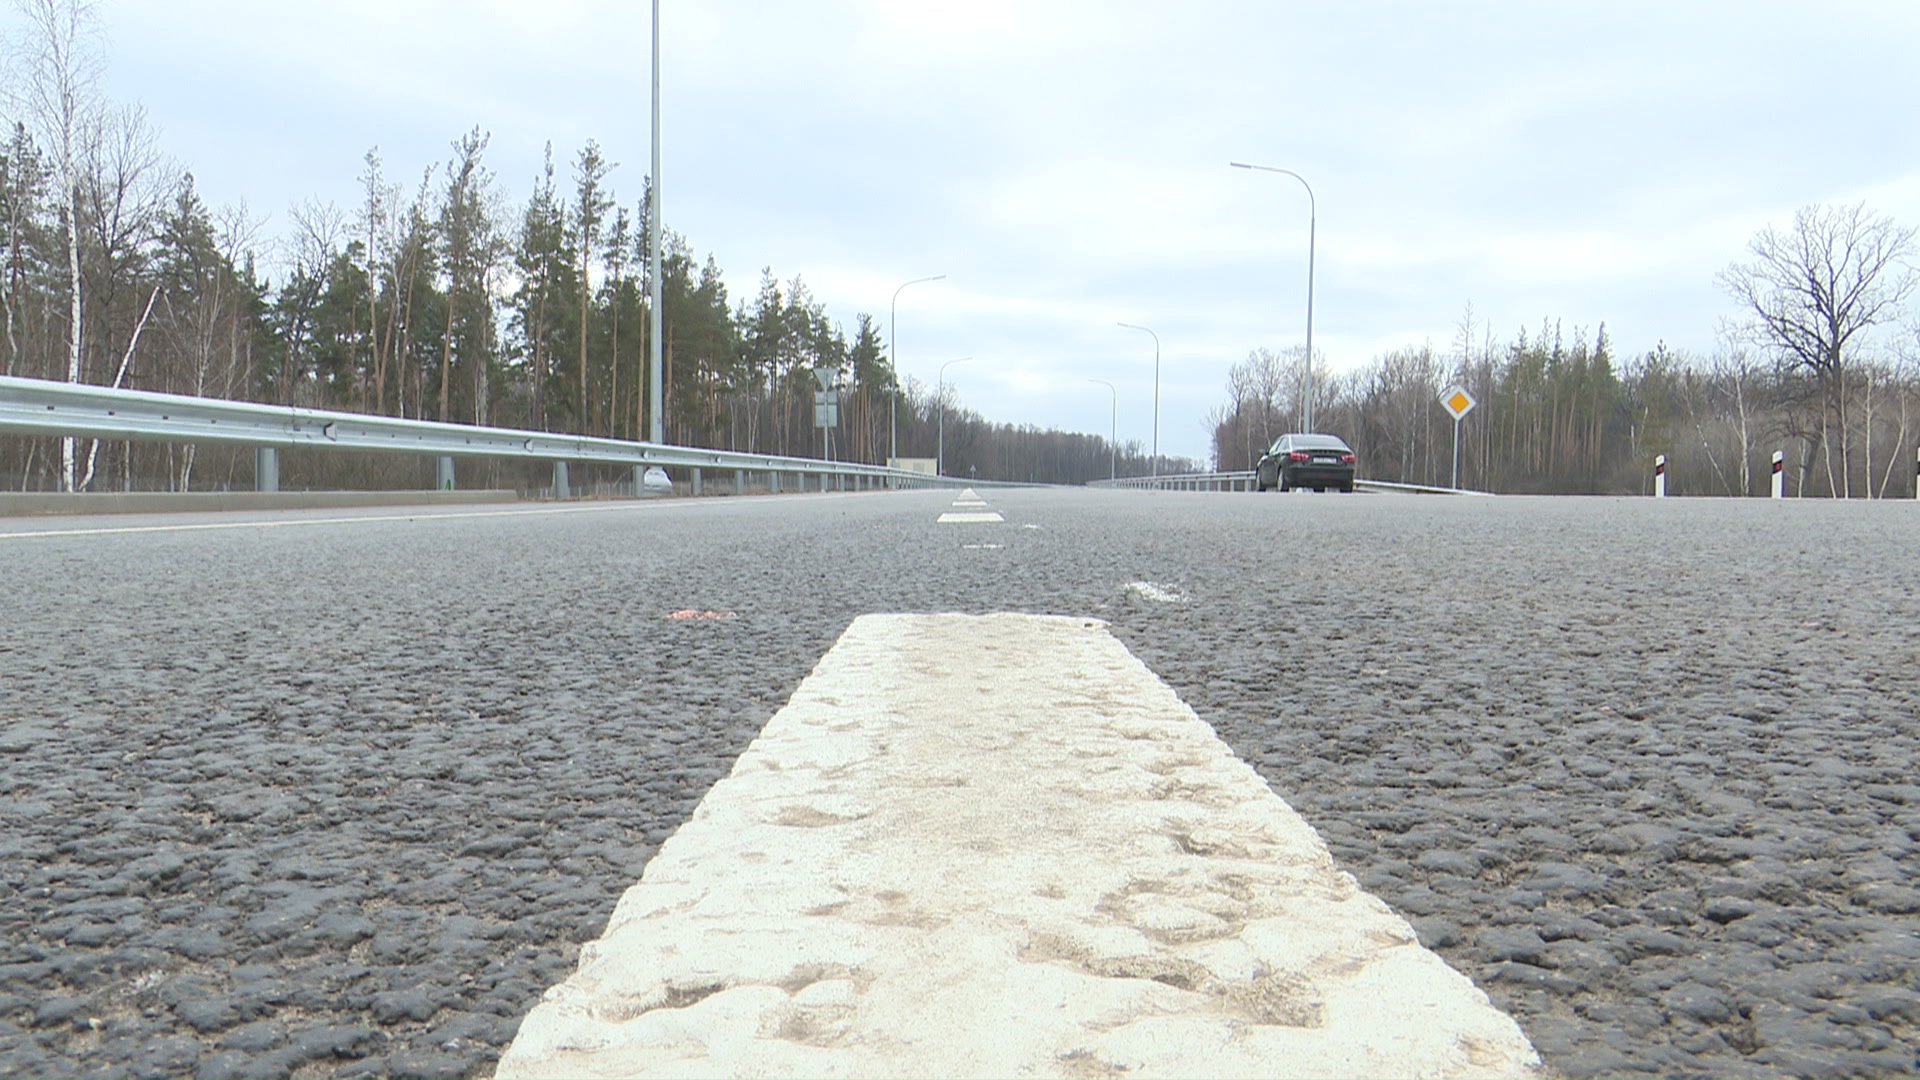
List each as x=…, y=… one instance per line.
x=1346, y=489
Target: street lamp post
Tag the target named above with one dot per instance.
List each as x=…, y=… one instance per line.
x=893, y=361
x=1156, y=395
x=656, y=386
x=1113, y=436
x=1313, y=215
x=940, y=392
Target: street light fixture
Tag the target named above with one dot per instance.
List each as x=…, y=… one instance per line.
x=940, y=392
x=1312, y=216
x=1156, y=395
x=1113, y=436
x=893, y=361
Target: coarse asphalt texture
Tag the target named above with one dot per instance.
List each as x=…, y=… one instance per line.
x=343, y=799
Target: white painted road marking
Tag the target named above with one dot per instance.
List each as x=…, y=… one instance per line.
x=999, y=845
x=1159, y=594
x=973, y=511
x=288, y=523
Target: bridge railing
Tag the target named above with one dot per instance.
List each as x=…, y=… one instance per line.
x=42, y=407
x=1243, y=480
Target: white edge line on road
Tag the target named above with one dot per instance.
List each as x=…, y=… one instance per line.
x=213, y=525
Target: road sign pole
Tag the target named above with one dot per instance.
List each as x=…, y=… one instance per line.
x=1456, y=453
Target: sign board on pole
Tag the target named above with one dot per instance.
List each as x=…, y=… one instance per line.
x=1457, y=401
x=826, y=408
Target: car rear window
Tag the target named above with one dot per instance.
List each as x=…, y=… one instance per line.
x=1318, y=442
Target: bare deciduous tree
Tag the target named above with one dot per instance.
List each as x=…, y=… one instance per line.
x=1813, y=293
x=56, y=85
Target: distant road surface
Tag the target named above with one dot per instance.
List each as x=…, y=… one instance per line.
x=342, y=792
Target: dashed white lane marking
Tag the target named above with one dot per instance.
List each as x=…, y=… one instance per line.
x=1159, y=594
x=981, y=547
x=1000, y=846
x=962, y=517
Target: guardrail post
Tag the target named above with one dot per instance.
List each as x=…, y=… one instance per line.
x=266, y=468
x=773, y=482
x=739, y=481
x=560, y=489
x=696, y=483
x=443, y=473
x=1779, y=474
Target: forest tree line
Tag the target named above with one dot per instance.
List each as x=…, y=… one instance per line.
x=1822, y=362
x=440, y=302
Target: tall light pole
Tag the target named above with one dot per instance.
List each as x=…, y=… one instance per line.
x=1156, y=396
x=940, y=392
x=893, y=361
x=1113, y=435
x=1313, y=215
x=656, y=387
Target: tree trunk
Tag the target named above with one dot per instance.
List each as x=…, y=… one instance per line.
x=446, y=345
x=67, y=462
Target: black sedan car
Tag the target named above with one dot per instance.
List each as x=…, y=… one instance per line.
x=1306, y=461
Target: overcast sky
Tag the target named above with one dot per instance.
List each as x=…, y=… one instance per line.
x=1066, y=164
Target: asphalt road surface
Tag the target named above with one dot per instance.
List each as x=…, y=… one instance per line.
x=342, y=795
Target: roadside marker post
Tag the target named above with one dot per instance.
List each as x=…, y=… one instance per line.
x=1660, y=476
x=1779, y=474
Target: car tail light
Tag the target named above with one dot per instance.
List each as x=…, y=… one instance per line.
x=1346, y=459
x=1299, y=455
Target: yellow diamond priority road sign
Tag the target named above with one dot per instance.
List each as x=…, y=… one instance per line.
x=1457, y=401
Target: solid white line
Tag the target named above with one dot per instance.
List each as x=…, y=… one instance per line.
x=290, y=523
x=1000, y=846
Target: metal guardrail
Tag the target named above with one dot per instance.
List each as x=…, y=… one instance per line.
x=1213, y=481
x=41, y=407
x=1244, y=481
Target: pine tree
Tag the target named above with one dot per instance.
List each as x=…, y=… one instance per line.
x=589, y=210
